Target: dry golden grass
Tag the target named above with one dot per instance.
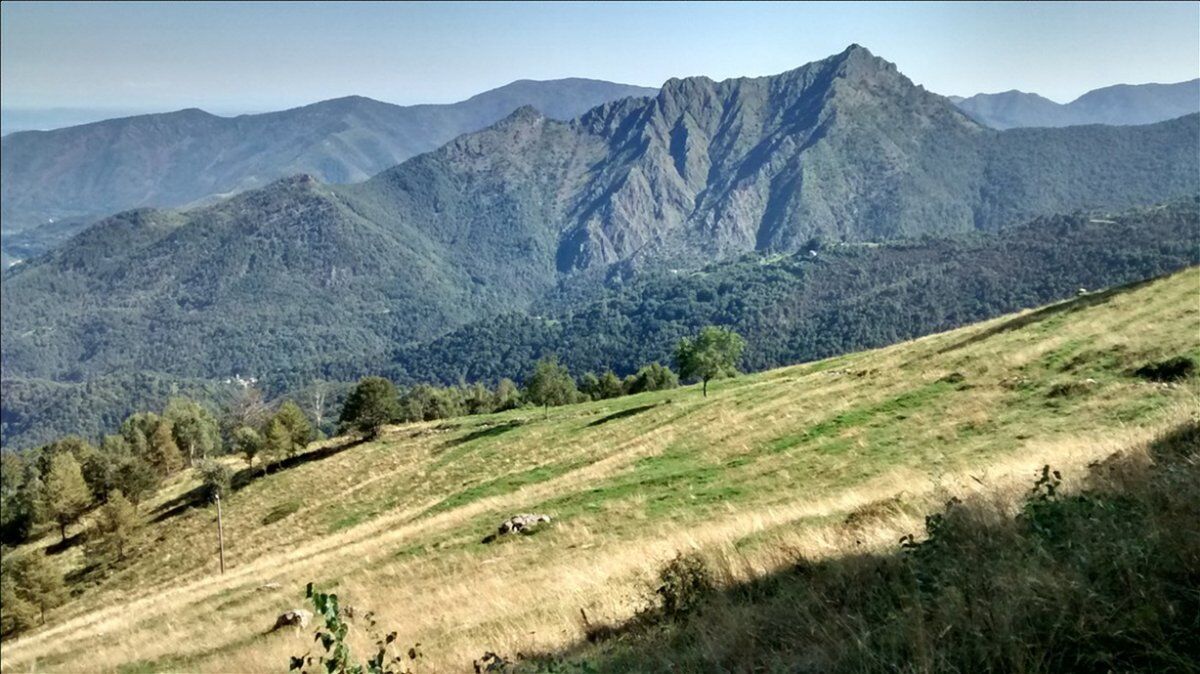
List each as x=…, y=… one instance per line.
x=767, y=465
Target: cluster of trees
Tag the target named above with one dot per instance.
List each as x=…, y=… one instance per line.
x=257, y=433
x=376, y=401
x=713, y=353
x=58, y=482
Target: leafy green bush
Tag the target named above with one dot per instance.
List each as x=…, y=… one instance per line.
x=335, y=656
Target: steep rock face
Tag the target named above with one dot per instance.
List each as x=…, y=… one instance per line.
x=710, y=168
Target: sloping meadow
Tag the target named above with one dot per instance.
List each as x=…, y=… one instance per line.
x=815, y=463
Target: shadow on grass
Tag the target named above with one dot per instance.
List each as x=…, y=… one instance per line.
x=246, y=476
x=1067, y=306
x=486, y=432
x=623, y=414
x=1099, y=580
x=62, y=545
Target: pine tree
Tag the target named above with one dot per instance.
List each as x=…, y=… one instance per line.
x=17, y=614
x=37, y=581
x=162, y=452
x=115, y=524
x=65, y=494
x=299, y=430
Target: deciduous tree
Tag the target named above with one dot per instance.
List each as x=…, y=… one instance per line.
x=372, y=404
x=713, y=353
x=550, y=384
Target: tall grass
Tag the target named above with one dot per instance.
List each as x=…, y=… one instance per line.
x=1104, y=578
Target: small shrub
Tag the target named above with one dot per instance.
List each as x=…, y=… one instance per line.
x=684, y=584
x=1170, y=370
x=491, y=662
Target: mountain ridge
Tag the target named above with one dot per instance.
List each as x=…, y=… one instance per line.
x=845, y=149
x=1118, y=104
x=85, y=172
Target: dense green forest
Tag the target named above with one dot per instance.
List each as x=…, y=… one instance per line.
x=824, y=301
x=814, y=304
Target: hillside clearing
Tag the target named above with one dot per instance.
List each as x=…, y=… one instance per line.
x=766, y=464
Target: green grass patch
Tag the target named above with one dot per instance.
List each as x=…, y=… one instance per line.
x=280, y=512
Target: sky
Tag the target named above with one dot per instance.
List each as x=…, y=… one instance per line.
x=241, y=57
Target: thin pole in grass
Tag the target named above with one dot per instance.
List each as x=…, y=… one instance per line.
x=220, y=532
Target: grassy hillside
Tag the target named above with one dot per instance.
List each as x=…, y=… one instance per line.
x=766, y=466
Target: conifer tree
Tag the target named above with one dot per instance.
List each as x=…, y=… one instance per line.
x=65, y=494
x=115, y=524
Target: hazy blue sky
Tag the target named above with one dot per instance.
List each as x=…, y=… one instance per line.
x=247, y=56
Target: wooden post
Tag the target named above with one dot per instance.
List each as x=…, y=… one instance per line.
x=220, y=532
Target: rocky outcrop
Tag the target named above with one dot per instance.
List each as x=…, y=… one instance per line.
x=296, y=617
x=518, y=524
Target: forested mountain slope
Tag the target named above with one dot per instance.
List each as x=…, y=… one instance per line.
x=60, y=180
x=790, y=307
x=303, y=279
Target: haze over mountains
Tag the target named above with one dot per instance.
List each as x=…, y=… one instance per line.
x=1121, y=104
x=75, y=175
x=302, y=279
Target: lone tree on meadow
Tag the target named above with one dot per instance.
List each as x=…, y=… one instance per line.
x=66, y=493
x=712, y=354
x=373, y=403
x=550, y=384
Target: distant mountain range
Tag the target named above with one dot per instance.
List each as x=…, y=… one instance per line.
x=303, y=279
x=303, y=275
x=1123, y=104
x=69, y=177
x=53, y=184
